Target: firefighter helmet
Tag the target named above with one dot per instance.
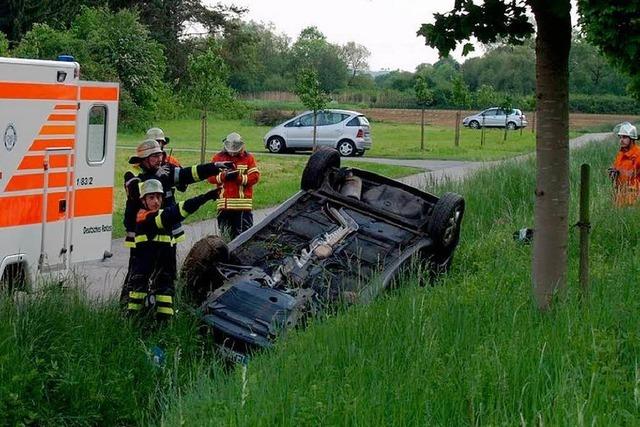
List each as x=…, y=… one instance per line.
x=233, y=143
x=157, y=134
x=627, y=129
x=151, y=186
x=144, y=150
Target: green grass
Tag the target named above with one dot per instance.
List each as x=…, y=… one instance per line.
x=471, y=351
x=279, y=180
x=66, y=361
x=389, y=139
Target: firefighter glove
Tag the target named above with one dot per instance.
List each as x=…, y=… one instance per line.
x=225, y=165
x=230, y=175
x=212, y=195
x=163, y=170
x=193, y=204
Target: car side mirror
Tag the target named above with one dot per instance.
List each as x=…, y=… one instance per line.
x=297, y=123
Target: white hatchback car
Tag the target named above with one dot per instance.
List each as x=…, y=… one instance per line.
x=347, y=131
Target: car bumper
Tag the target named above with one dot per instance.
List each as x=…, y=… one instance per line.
x=363, y=144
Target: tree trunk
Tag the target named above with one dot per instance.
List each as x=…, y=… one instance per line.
x=422, y=131
x=553, y=41
x=315, y=129
x=203, y=135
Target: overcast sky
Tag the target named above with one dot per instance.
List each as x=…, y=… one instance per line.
x=386, y=27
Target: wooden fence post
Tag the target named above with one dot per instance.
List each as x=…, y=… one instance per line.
x=457, y=137
x=203, y=135
x=584, y=226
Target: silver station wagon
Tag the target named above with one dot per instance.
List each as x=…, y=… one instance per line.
x=347, y=131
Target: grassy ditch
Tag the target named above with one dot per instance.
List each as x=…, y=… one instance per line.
x=471, y=351
x=66, y=361
x=279, y=180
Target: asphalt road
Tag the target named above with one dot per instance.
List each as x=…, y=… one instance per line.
x=103, y=279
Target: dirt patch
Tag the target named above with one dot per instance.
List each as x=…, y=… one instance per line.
x=448, y=117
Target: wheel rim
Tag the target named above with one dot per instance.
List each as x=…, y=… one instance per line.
x=450, y=233
x=511, y=126
x=275, y=145
x=474, y=125
x=346, y=149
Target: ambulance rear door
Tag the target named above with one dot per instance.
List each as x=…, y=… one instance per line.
x=94, y=170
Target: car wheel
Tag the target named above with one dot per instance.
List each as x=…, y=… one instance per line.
x=474, y=124
x=360, y=153
x=276, y=144
x=317, y=166
x=511, y=126
x=199, y=269
x=346, y=148
x=444, y=224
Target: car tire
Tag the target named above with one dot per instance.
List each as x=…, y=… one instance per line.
x=317, y=166
x=199, y=271
x=360, y=153
x=346, y=148
x=276, y=144
x=474, y=124
x=444, y=224
x=512, y=126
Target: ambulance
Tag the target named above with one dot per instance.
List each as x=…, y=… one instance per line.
x=57, y=159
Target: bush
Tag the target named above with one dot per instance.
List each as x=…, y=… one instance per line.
x=603, y=104
x=270, y=116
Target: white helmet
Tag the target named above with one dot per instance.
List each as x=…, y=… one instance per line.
x=151, y=186
x=157, y=134
x=233, y=143
x=627, y=129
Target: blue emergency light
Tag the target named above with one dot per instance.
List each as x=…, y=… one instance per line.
x=66, y=58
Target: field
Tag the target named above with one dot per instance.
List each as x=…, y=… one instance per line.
x=396, y=140
x=446, y=118
x=471, y=350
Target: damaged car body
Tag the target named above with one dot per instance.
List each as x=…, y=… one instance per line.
x=342, y=239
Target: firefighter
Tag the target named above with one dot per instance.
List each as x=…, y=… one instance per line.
x=149, y=165
x=235, y=201
x=149, y=156
x=625, y=172
x=153, y=272
x=158, y=135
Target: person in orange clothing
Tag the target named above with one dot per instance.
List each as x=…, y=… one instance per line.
x=235, y=202
x=625, y=172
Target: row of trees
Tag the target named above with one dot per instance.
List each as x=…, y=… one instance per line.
x=150, y=48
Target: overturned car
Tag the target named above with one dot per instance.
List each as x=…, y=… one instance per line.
x=342, y=239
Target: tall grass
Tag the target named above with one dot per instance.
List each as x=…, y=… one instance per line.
x=67, y=361
x=472, y=350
